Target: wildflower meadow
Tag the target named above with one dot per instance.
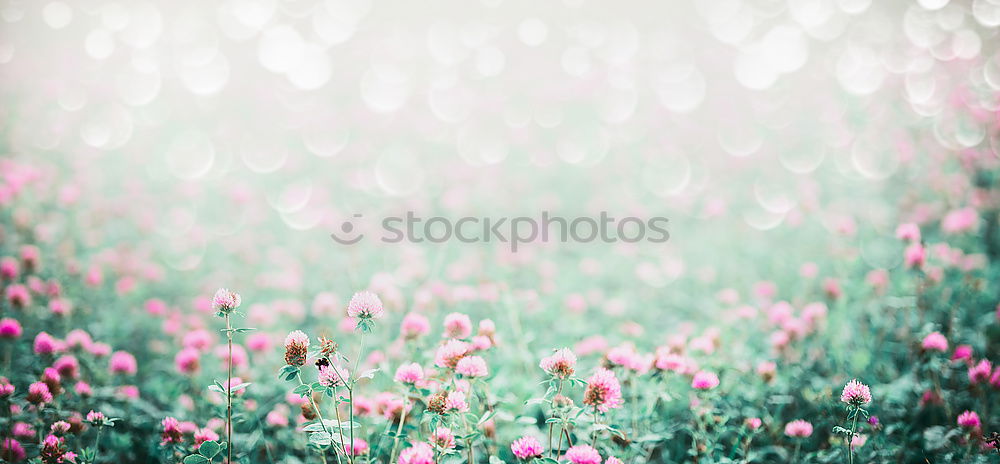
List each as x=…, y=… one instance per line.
x=500, y=232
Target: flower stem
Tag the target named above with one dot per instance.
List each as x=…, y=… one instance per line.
x=399, y=430
x=229, y=392
x=97, y=442
x=312, y=402
x=340, y=427
x=850, y=438
x=553, y=424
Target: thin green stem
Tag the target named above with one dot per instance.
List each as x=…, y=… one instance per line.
x=322, y=422
x=399, y=430
x=229, y=392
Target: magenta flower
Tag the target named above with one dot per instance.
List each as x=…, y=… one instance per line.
x=122, y=362
x=12, y=451
x=45, y=343
x=356, y=448
x=10, y=328
x=704, y=380
x=962, y=352
x=603, y=392
x=409, y=374
x=18, y=296
x=583, y=454
x=172, y=432
x=225, y=300
x=187, y=361
x=95, y=416
x=67, y=366
x=472, y=366
x=526, y=447
x=914, y=256
x=204, y=434
x=365, y=305
x=419, y=453
x=753, y=423
x=798, y=428
x=83, y=389
x=9, y=268
x=39, y=394
x=561, y=364
x=969, y=420
x=980, y=372
x=934, y=341
x=59, y=427
x=54, y=450
x=6, y=388
x=856, y=394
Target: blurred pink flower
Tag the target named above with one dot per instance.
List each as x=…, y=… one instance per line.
x=12, y=451
x=45, y=343
x=356, y=448
x=83, y=389
x=418, y=453
x=6, y=388
x=203, y=435
x=457, y=325
x=199, y=339
x=410, y=373
x=18, y=296
x=960, y=220
x=962, y=352
x=798, y=428
x=980, y=372
x=9, y=268
x=39, y=394
x=704, y=380
x=935, y=341
x=171, y=432
x=187, y=361
x=449, y=354
x=914, y=256
x=455, y=402
x=259, y=342
x=414, y=325
x=583, y=454
x=10, y=328
x=526, y=447
x=122, y=362
x=443, y=438
x=277, y=417
x=67, y=366
x=472, y=366
x=908, y=231
x=969, y=419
